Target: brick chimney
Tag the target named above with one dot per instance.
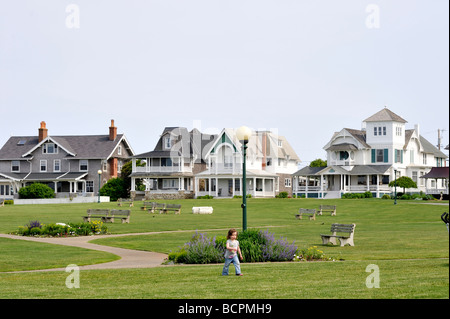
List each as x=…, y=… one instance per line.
x=42, y=132
x=112, y=131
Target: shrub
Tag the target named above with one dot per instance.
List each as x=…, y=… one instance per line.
x=255, y=245
x=35, y=228
x=386, y=196
x=36, y=190
x=282, y=195
x=115, y=188
x=205, y=197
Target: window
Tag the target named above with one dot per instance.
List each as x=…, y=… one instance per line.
x=411, y=155
x=166, y=161
x=424, y=158
x=83, y=165
x=89, y=186
x=167, y=143
x=170, y=183
x=379, y=130
x=343, y=155
x=119, y=150
x=43, y=165
x=414, y=176
x=398, y=156
x=15, y=166
x=280, y=143
x=50, y=148
x=380, y=156
x=287, y=182
x=57, y=165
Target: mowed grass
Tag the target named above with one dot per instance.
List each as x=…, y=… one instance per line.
x=407, y=241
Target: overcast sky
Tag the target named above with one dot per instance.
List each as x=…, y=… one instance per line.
x=303, y=68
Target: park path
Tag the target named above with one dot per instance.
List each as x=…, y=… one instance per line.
x=129, y=258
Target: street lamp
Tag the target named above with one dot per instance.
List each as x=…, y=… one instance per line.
x=395, y=187
x=99, y=172
x=243, y=134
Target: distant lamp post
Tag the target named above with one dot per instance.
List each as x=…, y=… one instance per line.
x=243, y=134
x=99, y=172
x=395, y=187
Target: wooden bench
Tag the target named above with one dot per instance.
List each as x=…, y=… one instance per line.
x=327, y=208
x=311, y=213
x=171, y=207
x=96, y=213
x=343, y=232
x=156, y=207
x=120, y=202
x=146, y=205
x=124, y=215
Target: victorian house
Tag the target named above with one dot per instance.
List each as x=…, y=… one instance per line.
x=270, y=164
x=70, y=165
x=367, y=160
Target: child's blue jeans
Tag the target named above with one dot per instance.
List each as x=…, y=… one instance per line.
x=228, y=261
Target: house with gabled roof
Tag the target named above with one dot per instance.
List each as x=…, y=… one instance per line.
x=168, y=170
x=270, y=164
x=367, y=160
x=70, y=165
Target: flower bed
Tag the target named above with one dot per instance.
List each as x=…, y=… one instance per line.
x=35, y=228
x=256, y=246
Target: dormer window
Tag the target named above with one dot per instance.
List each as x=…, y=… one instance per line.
x=50, y=148
x=167, y=142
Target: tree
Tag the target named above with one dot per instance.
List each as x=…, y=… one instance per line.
x=318, y=163
x=115, y=189
x=404, y=182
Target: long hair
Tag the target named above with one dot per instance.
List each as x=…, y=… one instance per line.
x=230, y=232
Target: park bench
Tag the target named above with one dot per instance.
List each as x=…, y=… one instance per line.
x=327, y=208
x=124, y=215
x=171, y=208
x=343, y=232
x=154, y=207
x=96, y=213
x=311, y=213
x=120, y=202
x=146, y=205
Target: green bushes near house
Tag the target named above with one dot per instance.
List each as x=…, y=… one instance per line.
x=36, y=190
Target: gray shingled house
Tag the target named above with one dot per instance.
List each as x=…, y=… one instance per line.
x=70, y=165
x=168, y=171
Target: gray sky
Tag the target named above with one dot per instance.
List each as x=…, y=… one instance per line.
x=303, y=68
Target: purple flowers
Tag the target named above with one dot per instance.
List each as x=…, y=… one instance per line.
x=256, y=246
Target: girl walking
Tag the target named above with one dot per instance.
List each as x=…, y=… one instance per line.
x=231, y=253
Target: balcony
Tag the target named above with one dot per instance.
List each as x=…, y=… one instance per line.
x=162, y=169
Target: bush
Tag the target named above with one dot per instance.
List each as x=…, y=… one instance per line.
x=205, y=197
x=282, y=195
x=35, y=228
x=386, y=196
x=115, y=188
x=255, y=245
x=36, y=190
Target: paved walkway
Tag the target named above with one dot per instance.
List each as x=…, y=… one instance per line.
x=129, y=258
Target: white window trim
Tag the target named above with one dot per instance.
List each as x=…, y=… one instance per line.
x=54, y=165
x=15, y=171
x=40, y=165
x=87, y=166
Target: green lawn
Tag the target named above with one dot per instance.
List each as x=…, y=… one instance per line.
x=407, y=241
